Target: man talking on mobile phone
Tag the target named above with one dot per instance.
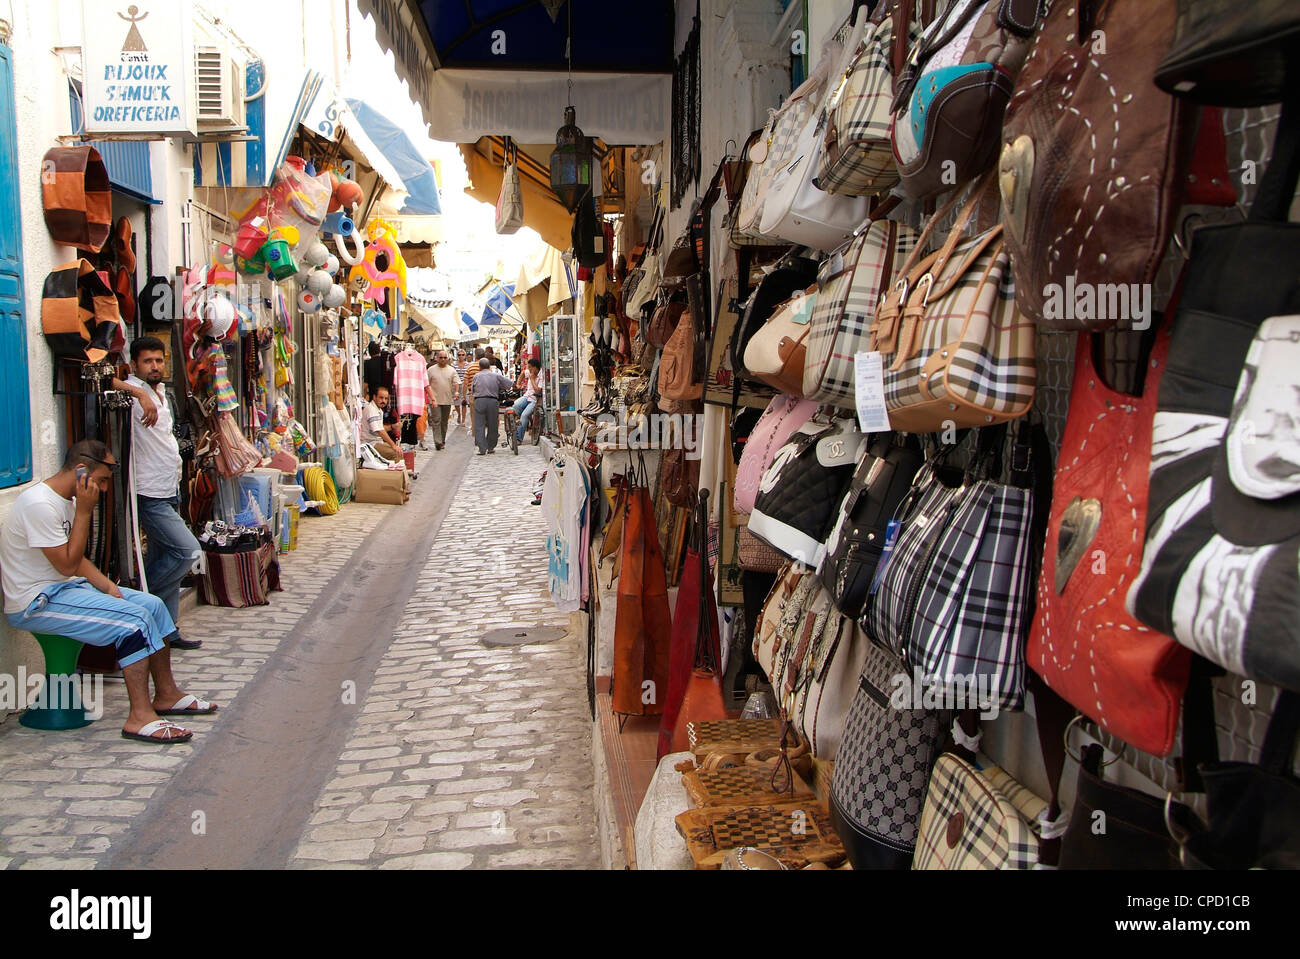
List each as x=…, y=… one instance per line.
x=51, y=587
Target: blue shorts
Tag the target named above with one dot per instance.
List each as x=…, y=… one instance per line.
x=138, y=624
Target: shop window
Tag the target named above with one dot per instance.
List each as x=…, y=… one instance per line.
x=15, y=411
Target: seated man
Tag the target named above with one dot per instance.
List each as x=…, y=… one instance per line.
x=50, y=587
x=374, y=431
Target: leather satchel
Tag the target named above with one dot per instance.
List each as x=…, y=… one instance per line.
x=1232, y=54
x=956, y=348
x=949, y=100
x=679, y=477
x=1093, y=161
x=852, y=282
x=1126, y=676
x=663, y=323
x=777, y=351
x=791, y=275
x=880, y=483
x=1218, y=570
x=680, y=378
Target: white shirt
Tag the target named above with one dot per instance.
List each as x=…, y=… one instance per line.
x=155, y=456
x=372, y=423
x=39, y=517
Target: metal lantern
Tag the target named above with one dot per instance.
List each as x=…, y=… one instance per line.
x=571, y=166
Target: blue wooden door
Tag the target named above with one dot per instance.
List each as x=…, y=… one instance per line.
x=15, y=402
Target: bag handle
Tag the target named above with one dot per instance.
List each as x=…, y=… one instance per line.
x=954, y=234
x=1278, y=186
x=1283, y=730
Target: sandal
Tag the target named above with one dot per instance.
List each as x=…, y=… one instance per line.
x=146, y=733
x=188, y=706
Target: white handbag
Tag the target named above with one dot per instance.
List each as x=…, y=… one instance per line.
x=750, y=208
x=510, y=203
x=775, y=353
x=793, y=208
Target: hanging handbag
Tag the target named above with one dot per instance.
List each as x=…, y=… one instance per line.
x=749, y=209
x=977, y=819
x=851, y=283
x=663, y=323
x=736, y=191
x=800, y=493
x=882, y=766
x=956, y=349
x=949, y=100
x=79, y=314
x=510, y=202
x=791, y=275
x=776, y=352
x=1218, y=569
x=785, y=594
x=756, y=556
x=956, y=592
x=795, y=209
x=881, y=481
x=679, y=477
x=77, y=197
x=1093, y=162
x=857, y=158
x=1128, y=678
x=680, y=377
x=783, y=416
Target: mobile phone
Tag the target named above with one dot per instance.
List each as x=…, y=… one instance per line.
x=82, y=473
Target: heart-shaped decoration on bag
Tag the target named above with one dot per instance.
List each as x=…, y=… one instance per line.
x=1079, y=525
x=1015, y=175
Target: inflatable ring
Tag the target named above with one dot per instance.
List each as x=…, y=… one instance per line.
x=358, y=244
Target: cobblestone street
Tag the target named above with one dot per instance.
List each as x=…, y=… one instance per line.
x=442, y=753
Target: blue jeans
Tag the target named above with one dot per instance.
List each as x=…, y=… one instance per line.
x=172, y=549
x=523, y=409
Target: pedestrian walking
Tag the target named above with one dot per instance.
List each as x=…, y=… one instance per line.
x=443, y=388
x=488, y=386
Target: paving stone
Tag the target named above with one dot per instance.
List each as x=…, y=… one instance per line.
x=347, y=830
x=507, y=797
x=338, y=851
x=374, y=811
x=430, y=860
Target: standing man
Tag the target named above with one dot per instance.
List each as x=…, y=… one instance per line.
x=488, y=384
x=444, y=386
x=494, y=359
x=51, y=587
x=156, y=465
x=470, y=372
x=462, y=364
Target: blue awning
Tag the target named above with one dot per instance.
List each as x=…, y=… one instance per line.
x=407, y=160
x=468, y=322
x=500, y=308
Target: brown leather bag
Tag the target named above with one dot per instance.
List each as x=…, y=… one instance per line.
x=679, y=477
x=679, y=377
x=663, y=323
x=1093, y=158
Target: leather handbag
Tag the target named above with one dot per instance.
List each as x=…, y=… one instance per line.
x=79, y=314
x=791, y=275
x=776, y=352
x=679, y=477
x=857, y=158
x=1127, y=677
x=737, y=183
x=955, y=594
x=851, y=283
x=881, y=481
x=1093, y=160
x=795, y=209
x=949, y=100
x=76, y=194
x=957, y=350
x=680, y=378
x=783, y=416
x=1218, y=570
x=977, y=818
x=749, y=209
x=786, y=594
x=756, y=556
x=663, y=323
x=1232, y=54
x=882, y=766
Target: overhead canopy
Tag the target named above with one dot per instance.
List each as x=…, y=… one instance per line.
x=468, y=322
x=500, y=309
x=483, y=67
x=410, y=165
x=543, y=212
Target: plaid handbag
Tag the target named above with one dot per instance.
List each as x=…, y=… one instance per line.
x=882, y=766
x=850, y=289
x=957, y=351
x=79, y=314
x=240, y=579
x=75, y=193
x=857, y=157
x=956, y=593
x=970, y=822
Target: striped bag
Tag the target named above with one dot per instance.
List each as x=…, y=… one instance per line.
x=240, y=579
x=858, y=157
x=850, y=289
x=957, y=351
x=972, y=821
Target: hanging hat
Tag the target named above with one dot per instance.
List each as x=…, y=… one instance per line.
x=75, y=193
x=79, y=314
x=122, y=244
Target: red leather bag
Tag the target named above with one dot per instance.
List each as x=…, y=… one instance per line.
x=1126, y=676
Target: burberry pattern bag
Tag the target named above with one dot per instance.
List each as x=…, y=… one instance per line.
x=972, y=821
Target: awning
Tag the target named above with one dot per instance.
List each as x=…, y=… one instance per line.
x=542, y=211
x=412, y=167
x=547, y=266
x=500, y=309
x=468, y=322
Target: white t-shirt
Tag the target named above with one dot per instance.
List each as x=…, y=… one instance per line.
x=39, y=517
x=155, y=456
x=372, y=423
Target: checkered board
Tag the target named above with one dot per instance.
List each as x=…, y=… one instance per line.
x=740, y=786
x=735, y=736
x=795, y=833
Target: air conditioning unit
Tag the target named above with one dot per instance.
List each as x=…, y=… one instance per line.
x=218, y=86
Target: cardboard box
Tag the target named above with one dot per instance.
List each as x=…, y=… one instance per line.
x=381, y=486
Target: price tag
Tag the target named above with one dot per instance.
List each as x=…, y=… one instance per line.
x=869, y=392
x=891, y=537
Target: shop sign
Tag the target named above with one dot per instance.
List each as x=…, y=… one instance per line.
x=138, y=66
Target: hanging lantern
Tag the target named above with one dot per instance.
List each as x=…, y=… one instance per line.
x=571, y=164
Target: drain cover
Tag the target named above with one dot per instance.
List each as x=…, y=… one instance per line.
x=521, y=636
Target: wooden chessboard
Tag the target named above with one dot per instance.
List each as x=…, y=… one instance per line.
x=741, y=786
x=736, y=736
x=797, y=833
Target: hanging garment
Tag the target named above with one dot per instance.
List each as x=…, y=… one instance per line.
x=642, y=625
x=409, y=380
x=227, y=400
x=564, y=508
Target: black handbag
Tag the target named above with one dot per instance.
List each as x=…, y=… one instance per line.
x=1232, y=54
x=882, y=479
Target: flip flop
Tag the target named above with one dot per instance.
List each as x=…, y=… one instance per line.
x=189, y=706
x=145, y=735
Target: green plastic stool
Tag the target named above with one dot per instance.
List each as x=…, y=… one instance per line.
x=60, y=661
